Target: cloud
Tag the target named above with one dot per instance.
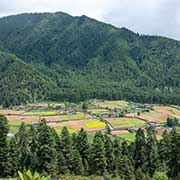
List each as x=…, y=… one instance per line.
x=156, y=17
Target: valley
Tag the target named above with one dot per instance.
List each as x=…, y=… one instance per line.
x=118, y=118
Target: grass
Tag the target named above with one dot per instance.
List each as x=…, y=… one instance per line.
x=112, y=104
x=94, y=124
x=42, y=113
x=97, y=111
x=77, y=116
x=128, y=137
x=59, y=129
x=126, y=122
x=14, y=125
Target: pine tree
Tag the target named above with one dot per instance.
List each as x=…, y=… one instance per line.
x=126, y=169
x=164, y=150
x=118, y=155
x=140, y=154
x=66, y=145
x=33, y=144
x=152, y=151
x=46, y=151
x=82, y=146
x=23, y=140
x=77, y=167
x=4, y=164
x=62, y=164
x=174, y=157
x=98, y=160
x=110, y=159
x=13, y=157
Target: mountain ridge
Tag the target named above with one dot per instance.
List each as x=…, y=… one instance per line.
x=86, y=58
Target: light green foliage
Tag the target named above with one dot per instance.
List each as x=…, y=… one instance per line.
x=160, y=176
x=29, y=176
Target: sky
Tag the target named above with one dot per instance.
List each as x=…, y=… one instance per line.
x=151, y=17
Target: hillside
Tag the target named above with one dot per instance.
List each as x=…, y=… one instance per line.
x=20, y=82
x=90, y=59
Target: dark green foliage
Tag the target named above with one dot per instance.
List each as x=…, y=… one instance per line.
x=98, y=159
x=42, y=149
x=23, y=140
x=4, y=164
x=174, y=156
x=82, y=146
x=66, y=145
x=46, y=151
x=77, y=58
x=20, y=82
x=152, y=151
x=76, y=164
x=13, y=157
x=140, y=175
x=140, y=154
x=172, y=122
x=110, y=159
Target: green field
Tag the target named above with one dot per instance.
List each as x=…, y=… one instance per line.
x=125, y=122
x=94, y=124
x=97, y=111
x=111, y=104
x=129, y=136
x=77, y=116
x=14, y=126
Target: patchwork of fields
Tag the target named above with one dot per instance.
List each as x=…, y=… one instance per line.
x=100, y=115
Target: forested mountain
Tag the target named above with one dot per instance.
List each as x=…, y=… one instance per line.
x=20, y=82
x=84, y=58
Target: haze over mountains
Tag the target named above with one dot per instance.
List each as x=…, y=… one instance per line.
x=55, y=56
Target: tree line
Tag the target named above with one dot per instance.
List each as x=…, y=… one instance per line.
x=41, y=149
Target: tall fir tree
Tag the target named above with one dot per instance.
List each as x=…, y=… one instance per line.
x=153, y=161
x=98, y=159
x=4, y=164
x=23, y=140
x=13, y=157
x=33, y=144
x=82, y=146
x=164, y=150
x=110, y=159
x=66, y=145
x=174, y=157
x=140, y=154
x=77, y=167
x=46, y=151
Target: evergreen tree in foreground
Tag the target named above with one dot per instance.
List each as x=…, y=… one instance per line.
x=4, y=129
x=46, y=151
x=98, y=159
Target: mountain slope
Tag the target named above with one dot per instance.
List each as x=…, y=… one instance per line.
x=20, y=82
x=91, y=59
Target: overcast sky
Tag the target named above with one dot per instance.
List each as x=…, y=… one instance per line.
x=154, y=17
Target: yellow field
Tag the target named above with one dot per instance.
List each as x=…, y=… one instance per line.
x=94, y=124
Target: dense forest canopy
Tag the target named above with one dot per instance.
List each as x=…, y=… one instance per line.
x=76, y=58
x=41, y=149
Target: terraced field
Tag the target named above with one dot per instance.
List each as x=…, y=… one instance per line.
x=154, y=116
x=87, y=124
x=125, y=122
x=41, y=113
x=170, y=111
x=112, y=104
